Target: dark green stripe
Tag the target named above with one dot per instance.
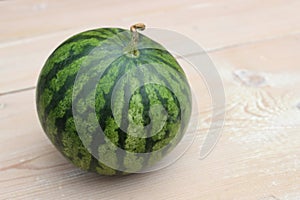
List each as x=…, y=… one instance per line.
x=131, y=65
x=151, y=55
x=99, y=34
x=57, y=67
x=146, y=117
x=165, y=102
x=178, y=84
x=171, y=75
x=108, y=32
x=80, y=38
x=68, y=52
x=134, y=144
x=147, y=43
x=155, y=72
x=60, y=95
x=161, y=56
x=113, y=32
x=124, y=121
x=103, y=113
x=169, y=119
x=150, y=141
x=94, y=63
x=120, y=66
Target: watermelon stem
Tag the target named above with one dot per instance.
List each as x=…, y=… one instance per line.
x=135, y=37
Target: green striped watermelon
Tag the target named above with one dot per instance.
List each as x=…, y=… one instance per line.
x=111, y=107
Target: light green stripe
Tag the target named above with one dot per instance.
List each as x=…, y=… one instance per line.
x=58, y=112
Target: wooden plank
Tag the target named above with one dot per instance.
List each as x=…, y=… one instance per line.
x=257, y=157
x=273, y=64
x=216, y=23
x=31, y=30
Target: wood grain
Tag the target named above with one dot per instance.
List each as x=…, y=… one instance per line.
x=255, y=46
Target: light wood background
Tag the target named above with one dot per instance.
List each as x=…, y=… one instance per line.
x=255, y=45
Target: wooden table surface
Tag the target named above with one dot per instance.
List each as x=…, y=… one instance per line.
x=255, y=46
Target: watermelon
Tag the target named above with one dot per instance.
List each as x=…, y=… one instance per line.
x=113, y=101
